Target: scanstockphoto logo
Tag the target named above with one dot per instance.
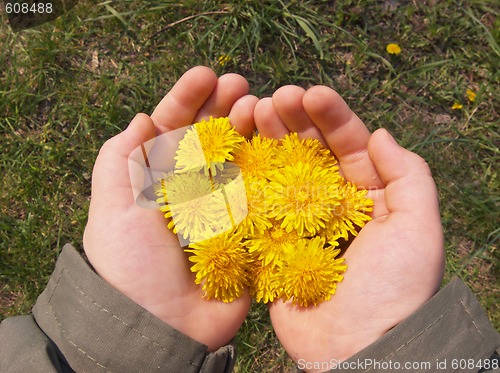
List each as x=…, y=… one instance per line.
x=24, y=14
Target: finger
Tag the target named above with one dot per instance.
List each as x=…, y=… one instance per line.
x=345, y=134
x=180, y=106
x=409, y=184
x=241, y=115
x=229, y=88
x=267, y=121
x=111, y=185
x=287, y=102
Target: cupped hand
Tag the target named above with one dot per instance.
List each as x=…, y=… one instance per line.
x=396, y=262
x=130, y=246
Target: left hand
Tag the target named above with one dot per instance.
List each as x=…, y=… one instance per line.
x=131, y=247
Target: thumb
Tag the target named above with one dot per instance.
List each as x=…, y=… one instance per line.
x=412, y=201
x=411, y=198
x=111, y=181
x=410, y=187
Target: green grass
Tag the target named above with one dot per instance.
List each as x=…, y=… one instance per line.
x=67, y=86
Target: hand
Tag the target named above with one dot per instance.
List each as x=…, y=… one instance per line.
x=396, y=262
x=130, y=247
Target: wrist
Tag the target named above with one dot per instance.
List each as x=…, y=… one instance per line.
x=325, y=355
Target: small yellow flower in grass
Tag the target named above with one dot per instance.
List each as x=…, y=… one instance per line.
x=207, y=145
x=456, y=106
x=263, y=286
x=471, y=95
x=221, y=266
x=350, y=211
x=224, y=59
x=301, y=197
x=294, y=150
x=269, y=246
x=310, y=273
x=393, y=48
x=256, y=157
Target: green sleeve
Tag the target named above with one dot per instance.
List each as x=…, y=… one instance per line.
x=449, y=333
x=81, y=323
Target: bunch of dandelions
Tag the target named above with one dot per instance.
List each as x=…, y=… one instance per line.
x=262, y=214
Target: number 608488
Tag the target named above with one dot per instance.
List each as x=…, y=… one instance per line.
x=25, y=8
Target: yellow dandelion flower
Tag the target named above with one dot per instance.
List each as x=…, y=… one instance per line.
x=301, y=196
x=350, y=211
x=263, y=287
x=229, y=172
x=224, y=59
x=221, y=266
x=256, y=219
x=207, y=145
x=310, y=273
x=294, y=150
x=235, y=194
x=255, y=158
x=456, y=106
x=393, y=48
x=258, y=213
x=195, y=209
x=269, y=246
x=471, y=95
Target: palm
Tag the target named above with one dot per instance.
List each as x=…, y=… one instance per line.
x=131, y=247
x=395, y=263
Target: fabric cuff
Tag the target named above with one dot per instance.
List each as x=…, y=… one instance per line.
x=99, y=329
x=447, y=333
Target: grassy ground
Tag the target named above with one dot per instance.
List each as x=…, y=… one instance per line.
x=67, y=86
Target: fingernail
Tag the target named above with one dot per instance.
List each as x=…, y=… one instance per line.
x=391, y=138
x=134, y=118
x=132, y=121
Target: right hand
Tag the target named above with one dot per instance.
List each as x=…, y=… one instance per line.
x=396, y=262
